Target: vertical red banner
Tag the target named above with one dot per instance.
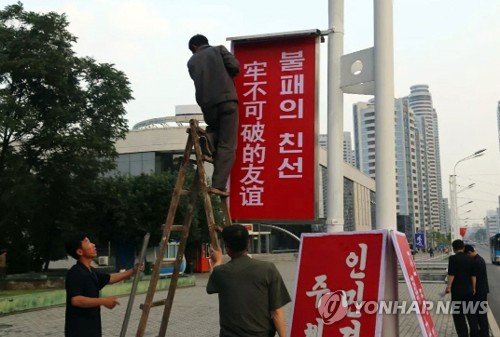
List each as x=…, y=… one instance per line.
x=339, y=267
x=274, y=176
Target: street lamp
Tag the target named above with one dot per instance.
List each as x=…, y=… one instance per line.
x=454, y=231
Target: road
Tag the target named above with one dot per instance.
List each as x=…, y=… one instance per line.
x=493, y=281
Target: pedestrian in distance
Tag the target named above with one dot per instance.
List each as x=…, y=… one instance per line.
x=213, y=69
x=252, y=293
x=462, y=285
x=482, y=290
x=83, y=283
x=431, y=252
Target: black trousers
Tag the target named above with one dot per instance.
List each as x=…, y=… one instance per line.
x=222, y=130
x=461, y=317
x=482, y=317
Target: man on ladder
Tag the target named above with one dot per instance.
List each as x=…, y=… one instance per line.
x=212, y=70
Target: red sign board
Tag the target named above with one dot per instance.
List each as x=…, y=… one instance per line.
x=274, y=175
x=414, y=286
x=338, y=275
x=463, y=230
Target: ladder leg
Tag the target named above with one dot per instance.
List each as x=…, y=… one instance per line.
x=165, y=236
x=182, y=247
x=202, y=180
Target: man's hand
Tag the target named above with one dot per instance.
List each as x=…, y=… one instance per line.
x=216, y=257
x=110, y=302
x=448, y=289
x=138, y=267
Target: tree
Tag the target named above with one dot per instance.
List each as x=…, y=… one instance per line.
x=59, y=118
x=124, y=208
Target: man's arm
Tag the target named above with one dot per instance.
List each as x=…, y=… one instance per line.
x=278, y=317
x=450, y=281
x=473, y=285
x=117, y=277
x=91, y=302
x=230, y=62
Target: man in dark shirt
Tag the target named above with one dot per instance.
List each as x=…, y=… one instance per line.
x=482, y=290
x=212, y=69
x=83, y=283
x=462, y=285
x=252, y=293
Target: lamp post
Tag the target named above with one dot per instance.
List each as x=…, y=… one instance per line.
x=454, y=231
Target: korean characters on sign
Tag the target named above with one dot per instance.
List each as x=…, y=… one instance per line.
x=276, y=157
x=329, y=295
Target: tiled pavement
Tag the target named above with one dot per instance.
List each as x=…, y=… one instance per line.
x=195, y=313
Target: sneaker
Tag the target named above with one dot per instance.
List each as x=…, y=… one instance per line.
x=206, y=149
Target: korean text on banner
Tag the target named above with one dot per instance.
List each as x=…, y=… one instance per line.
x=274, y=174
x=338, y=273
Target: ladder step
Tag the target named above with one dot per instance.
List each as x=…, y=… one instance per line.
x=218, y=192
x=204, y=158
x=154, y=304
x=175, y=228
x=166, y=264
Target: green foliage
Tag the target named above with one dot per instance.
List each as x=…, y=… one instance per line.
x=59, y=118
x=125, y=208
x=480, y=235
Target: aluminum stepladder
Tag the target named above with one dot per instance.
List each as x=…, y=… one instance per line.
x=199, y=186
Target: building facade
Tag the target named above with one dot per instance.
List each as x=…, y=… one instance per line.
x=155, y=145
x=418, y=170
x=349, y=154
x=420, y=101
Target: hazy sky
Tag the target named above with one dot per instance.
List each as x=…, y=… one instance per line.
x=451, y=45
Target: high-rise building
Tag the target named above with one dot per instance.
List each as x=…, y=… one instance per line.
x=420, y=101
x=492, y=222
x=349, y=154
x=418, y=172
x=407, y=173
x=498, y=122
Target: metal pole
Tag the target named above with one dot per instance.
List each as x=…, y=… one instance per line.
x=335, y=188
x=453, y=210
x=384, y=116
x=385, y=156
x=134, y=286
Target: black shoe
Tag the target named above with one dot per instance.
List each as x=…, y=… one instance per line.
x=206, y=149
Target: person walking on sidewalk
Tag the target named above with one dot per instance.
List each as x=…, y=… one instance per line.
x=462, y=285
x=252, y=293
x=83, y=283
x=213, y=69
x=482, y=290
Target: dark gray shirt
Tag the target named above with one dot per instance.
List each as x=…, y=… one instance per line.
x=212, y=70
x=248, y=291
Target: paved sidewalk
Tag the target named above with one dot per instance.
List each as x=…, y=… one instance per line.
x=195, y=313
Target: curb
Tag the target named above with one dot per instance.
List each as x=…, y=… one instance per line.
x=494, y=329
x=46, y=299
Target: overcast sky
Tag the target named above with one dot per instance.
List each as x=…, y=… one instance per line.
x=451, y=45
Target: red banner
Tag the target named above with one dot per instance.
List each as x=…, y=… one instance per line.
x=274, y=176
x=413, y=282
x=463, y=230
x=338, y=274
